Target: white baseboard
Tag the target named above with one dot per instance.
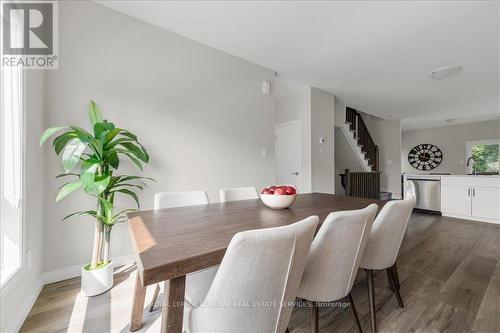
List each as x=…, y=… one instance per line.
x=25, y=308
x=473, y=218
x=74, y=271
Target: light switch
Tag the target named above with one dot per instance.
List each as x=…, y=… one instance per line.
x=263, y=153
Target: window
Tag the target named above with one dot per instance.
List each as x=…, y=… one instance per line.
x=11, y=166
x=486, y=156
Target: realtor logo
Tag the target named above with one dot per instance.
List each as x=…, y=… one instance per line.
x=29, y=36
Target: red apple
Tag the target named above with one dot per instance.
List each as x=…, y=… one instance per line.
x=272, y=187
x=290, y=190
x=280, y=191
x=267, y=191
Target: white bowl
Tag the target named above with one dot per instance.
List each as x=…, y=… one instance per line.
x=278, y=201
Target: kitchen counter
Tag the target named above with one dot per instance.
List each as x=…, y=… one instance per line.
x=472, y=197
x=420, y=175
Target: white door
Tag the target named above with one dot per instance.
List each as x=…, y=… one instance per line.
x=289, y=154
x=485, y=202
x=456, y=199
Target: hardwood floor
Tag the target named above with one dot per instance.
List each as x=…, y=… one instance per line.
x=450, y=282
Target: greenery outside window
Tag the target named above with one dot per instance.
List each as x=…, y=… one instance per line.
x=486, y=156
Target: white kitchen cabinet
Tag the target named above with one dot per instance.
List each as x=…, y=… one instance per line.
x=486, y=202
x=456, y=199
x=471, y=197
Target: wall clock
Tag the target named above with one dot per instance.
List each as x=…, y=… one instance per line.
x=425, y=157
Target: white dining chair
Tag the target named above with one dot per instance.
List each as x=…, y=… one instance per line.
x=383, y=246
x=238, y=193
x=409, y=190
x=163, y=200
x=334, y=259
x=256, y=284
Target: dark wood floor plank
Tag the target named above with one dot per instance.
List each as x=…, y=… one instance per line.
x=489, y=243
x=441, y=317
x=465, y=289
x=418, y=292
x=488, y=316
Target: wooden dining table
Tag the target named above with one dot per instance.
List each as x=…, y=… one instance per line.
x=170, y=243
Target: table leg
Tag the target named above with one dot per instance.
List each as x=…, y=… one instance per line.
x=173, y=309
x=137, y=305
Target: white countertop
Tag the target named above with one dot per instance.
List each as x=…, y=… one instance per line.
x=421, y=175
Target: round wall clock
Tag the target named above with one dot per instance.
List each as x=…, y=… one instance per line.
x=425, y=157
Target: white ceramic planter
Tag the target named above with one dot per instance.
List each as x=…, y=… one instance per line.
x=97, y=281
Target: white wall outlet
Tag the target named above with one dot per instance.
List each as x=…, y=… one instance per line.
x=263, y=153
x=266, y=87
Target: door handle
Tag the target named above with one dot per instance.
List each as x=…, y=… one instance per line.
x=473, y=192
x=296, y=173
x=468, y=192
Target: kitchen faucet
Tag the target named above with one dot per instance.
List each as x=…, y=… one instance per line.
x=474, y=166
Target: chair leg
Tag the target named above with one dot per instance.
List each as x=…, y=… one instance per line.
x=389, y=281
x=314, y=318
x=371, y=299
x=354, y=313
x=395, y=273
x=393, y=283
x=155, y=298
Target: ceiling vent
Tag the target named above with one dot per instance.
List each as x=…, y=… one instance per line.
x=445, y=72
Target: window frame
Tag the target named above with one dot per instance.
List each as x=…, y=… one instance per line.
x=470, y=144
x=13, y=274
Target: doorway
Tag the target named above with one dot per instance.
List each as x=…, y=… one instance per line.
x=289, y=154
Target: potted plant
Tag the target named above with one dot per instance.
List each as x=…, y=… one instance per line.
x=96, y=156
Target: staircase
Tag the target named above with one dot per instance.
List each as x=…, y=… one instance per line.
x=364, y=184
x=365, y=145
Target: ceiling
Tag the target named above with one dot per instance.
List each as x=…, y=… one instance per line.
x=373, y=55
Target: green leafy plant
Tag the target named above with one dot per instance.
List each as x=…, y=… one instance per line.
x=486, y=157
x=97, y=153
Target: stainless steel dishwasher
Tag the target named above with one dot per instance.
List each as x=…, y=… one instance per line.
x=428, y=192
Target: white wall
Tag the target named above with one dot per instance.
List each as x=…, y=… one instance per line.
x=387, y=135
x=340, y=112
x=19, y=293
x=451, y=140
x=199, y=112
x=322, y=155
x=293, y=107
x=316, y=109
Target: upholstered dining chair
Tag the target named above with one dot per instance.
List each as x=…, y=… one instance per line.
x=383, y=246
x=164, y=200
x=238, y=193
x=256, y=284
x=409, y=190
x=334, y=259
